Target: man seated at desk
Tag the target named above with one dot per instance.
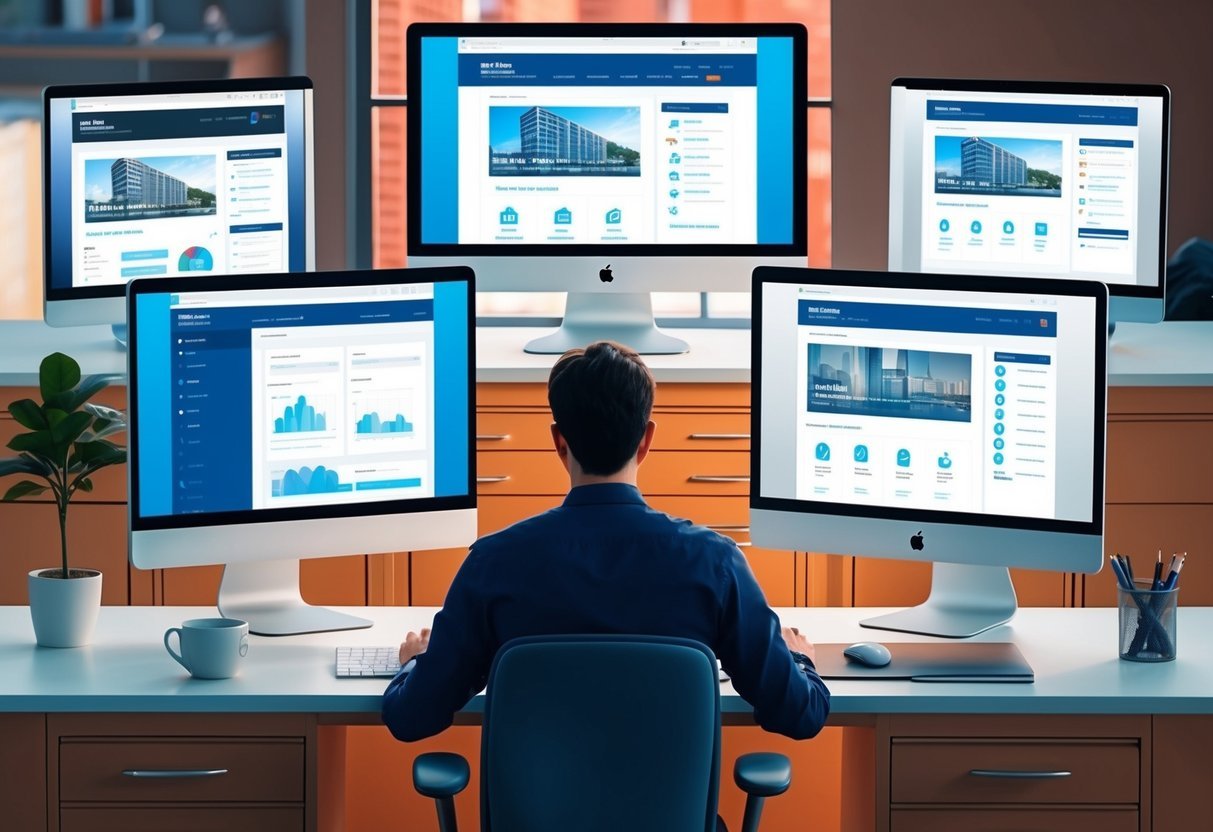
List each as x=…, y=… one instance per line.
x=604, y=562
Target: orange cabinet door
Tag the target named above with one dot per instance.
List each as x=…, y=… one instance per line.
x=96, y=539
x=336, y=581
x=1140, y=531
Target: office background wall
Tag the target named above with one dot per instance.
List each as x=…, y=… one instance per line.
x=875, y=41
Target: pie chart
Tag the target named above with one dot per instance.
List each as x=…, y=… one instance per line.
x=195, y=259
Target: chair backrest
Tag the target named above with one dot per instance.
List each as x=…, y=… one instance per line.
x=601, y=732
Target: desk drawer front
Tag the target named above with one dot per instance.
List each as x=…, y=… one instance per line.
x=1014, y=771
x=183, y=819
x=176, y=769
x=710, y=473
x=1004, y=819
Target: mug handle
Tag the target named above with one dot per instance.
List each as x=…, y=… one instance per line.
x=176, y=656
x=244, y=645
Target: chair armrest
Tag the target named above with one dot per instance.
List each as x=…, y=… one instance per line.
x=440, y=775
x=763, y=774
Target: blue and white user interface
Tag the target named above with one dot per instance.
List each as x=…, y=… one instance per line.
x=606, y=140
x=301, y=397
x=1029, y=185
x=929, y=400
x=164, y=185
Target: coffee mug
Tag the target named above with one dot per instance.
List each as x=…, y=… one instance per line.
x=211, y=648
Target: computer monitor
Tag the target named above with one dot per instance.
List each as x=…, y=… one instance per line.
x=1033, y=179
x=608, y=161
x=286, y=416
x=925, y=418
x=165, y=179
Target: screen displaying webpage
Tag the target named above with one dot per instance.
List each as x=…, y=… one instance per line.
x=606, y=140
x=163, y=185
x=260, y=400
x=1032, y=185
x=924, y=400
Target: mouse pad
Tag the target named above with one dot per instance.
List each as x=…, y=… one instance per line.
x=994, y=661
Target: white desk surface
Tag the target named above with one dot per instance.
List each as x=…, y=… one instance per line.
x=1173, y=354
x=1073, y=652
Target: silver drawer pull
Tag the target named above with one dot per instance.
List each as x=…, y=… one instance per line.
x=492, y=479
x=708, y=478
x=1018, y=775
x=718, y=436
x=161, y=774
x=729, y=528
x=742, y=544
x=492, y=437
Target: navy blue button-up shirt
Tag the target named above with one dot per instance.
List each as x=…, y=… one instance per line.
x=604, y=562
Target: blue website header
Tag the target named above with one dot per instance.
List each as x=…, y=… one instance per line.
x=959, y=319
x=245, y=318
x=147, y=125
x=603, y=70
x=1031, y=113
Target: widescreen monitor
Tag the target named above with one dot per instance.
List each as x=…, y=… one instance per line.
x=171, y=179
x=608, y=161
x=925, y=418
x=287, y=416
x=1033, y=179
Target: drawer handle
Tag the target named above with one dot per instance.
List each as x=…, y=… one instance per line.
x=742, y=544
x=492, y=437
x=712, y=478
x=718, y=436
x=162, y=774
x=1018, y=775
x=492, y=479
x=729, y=528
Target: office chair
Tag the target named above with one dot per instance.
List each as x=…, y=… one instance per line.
x=601, y=733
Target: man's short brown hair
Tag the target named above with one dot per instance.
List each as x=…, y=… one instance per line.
x=601, y=398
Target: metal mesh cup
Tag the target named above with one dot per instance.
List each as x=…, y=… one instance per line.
x=1147, y=624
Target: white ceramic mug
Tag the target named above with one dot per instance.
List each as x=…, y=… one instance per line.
x=211, y=648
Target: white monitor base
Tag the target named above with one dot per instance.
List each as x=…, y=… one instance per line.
x=266, y=595
x=596, y=316
x=965, y=600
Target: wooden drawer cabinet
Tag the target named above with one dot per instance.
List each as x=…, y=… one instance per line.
x=1053, y=819
x=926, y=770
x=184, y=819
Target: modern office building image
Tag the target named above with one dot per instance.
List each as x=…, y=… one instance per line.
x=545, y=134
x=137, y=183
x=987, y=162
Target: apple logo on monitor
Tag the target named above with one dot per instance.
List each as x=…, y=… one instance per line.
x=916, y=542
x=605, y=274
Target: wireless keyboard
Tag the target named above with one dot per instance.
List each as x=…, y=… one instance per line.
x=368, y=661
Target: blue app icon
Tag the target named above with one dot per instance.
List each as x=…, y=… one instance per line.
x=673, y=124
x=999, y=413
x=903, y=458
x=1000, y=370
x=1000, y=428
x=823, y=452
x=861, y=453
x=673, y=176
x=1082, y=201
x=944, y=226
x=673, y=193
x=998, y=459
x=508, y=216
x=1008, y=227
x=614, y=216
x=999, y=444
x=563, y=216
x=675, y=159
x=975, y=227
x=1042, y=229
x=1000, y=385
x=945, y=461
x=1000, y=400
x=673, y=209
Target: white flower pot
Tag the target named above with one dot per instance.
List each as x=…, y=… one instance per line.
x=64, y=610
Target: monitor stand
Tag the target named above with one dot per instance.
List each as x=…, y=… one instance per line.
x=965, y=600
x=600, y=316
x=266, y=595
x=119, y=331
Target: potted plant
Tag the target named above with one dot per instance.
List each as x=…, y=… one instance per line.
x=66, y=444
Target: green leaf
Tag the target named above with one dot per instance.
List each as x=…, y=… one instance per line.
x=28, y=414
x=99, y=453
x=57, y=374
x=41, y=465
x=22, y=489
x=54, y=416
x=86, y=389
x=18, y=465
x=101, y=412
x=84, y=484
x=39, y=442
x=69, y=430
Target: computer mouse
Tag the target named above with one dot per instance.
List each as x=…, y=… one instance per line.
x=869, y=653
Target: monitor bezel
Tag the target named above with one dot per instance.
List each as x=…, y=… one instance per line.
x=798, y=247
x=945, y=85
x=53, y=294
x=287, y=281
x=764, y=275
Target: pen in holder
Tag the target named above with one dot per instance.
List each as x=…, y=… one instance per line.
x=1147, y=622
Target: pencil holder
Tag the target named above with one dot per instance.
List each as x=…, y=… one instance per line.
x=1147, y=624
